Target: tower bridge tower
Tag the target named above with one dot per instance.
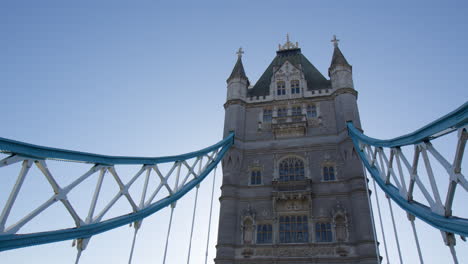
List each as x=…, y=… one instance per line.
x=293, y=188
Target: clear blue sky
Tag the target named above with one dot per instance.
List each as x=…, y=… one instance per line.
x=148, y=77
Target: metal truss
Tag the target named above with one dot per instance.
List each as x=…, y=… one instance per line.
x=399, y=175
x=186, y=172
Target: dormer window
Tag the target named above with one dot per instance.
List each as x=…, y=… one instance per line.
x=311, y=111
x=281, y=87
x=295, y=87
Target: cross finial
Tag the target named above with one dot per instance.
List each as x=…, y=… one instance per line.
x=239, y=53
x=335, y=41
x=288, y=45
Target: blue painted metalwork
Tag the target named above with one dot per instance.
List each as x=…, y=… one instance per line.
x=446, y=124
x=443, y=125
x=40, y=152
x=14, y=241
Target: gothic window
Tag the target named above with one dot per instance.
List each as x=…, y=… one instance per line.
x=291, y=169
x=255, y=177
x=293, y=229
x=282, y=112
x=323, y=232
x=264, y=234
x=295, y=87
x=311, y=111
x=328, y=173
x=296, y=110
x=281, y=87
x=267, y=114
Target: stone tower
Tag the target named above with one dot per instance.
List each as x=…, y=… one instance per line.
x=293, y=187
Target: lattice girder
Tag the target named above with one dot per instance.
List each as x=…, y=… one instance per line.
x=399, y=179
x=93, y=221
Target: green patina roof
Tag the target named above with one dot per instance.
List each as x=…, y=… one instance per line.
x=315, y=80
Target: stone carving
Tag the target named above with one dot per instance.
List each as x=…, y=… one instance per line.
x=247, y=252
x=292, y=201
x=248, y=225
x=265, y=213
x=340, y=223
x=297, y=251
x=294, y=205
x=248, y=231
x=343, y=252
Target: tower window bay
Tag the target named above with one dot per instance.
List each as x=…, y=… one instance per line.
x=291, y=169
x=293, y=229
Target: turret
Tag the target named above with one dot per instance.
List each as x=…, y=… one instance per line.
x=341, y=77
x=237, y=83
x=340, y=72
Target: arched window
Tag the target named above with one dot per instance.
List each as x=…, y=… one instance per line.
x=291, y=169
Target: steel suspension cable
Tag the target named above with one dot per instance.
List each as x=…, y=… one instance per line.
x=412, y=218
x=395, y=230
x=194, y=211
x=133, y=245
x=193, y=223
x=78, y=256
x=211, y=210
x=168, y=233
x=371, y=211
x=380, y=220
x=454, y=254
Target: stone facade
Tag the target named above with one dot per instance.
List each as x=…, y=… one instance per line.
x=293, y=187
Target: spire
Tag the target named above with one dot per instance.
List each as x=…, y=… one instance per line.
x=238, y=71
x=338, y=57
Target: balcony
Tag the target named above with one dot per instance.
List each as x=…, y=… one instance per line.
x=289, y=126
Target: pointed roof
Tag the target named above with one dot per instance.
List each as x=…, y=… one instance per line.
x=238, y=71
x=338, y=58
x=315, y=80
